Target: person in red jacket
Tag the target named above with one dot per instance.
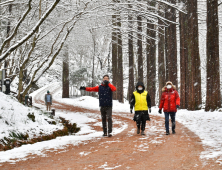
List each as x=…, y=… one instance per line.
x=170, y=102
x=105, y=102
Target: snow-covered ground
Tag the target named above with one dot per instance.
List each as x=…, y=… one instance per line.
x=13, y=118
x=207, y=125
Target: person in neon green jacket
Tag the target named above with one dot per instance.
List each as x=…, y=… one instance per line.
x=141, y=101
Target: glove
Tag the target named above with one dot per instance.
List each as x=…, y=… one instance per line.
x=82, y=88
x=131, y=110
x=178, y=106
x=160, y=111
x=149, y=110
x=105, y=82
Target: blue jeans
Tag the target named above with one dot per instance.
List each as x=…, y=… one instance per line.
x=172, y=115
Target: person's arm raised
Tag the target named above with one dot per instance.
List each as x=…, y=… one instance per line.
x=112, y=87
x=92, y=89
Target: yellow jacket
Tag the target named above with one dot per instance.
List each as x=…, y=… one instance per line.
x=140, y=101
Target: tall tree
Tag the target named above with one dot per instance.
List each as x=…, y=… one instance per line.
x=161, y=54
x=171, y=45
x=183, y=19
x=131, y=56
x=151, y=57
x=114, y=54
x=8, y=29
x=213, y=98
x=65, y=74
x=189, y=57
x=120, y=62
x=8, y=34
x=194, y=92
x=139, y=48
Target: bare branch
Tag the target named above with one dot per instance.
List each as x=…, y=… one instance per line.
x=6, y=3
x=16, y=28
x=19, y=43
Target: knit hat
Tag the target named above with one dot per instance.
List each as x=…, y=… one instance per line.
x=47, y=91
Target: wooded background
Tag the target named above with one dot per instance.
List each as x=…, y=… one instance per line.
x=78, y=41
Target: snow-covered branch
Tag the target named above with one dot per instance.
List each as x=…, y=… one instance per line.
x=6, y=2
x=29, y=35
x=7, y=40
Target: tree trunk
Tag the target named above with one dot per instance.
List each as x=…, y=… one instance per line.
x=93, y=60
x=8, y=44
x=161, y=57
x=131, y=57
x=140, y=49
x=114, y=54
x=120, y=63
x=213, y=99
x=194, y=92
x=65, y=74
x=151, y=63
x=40, y=9
x=20, y=86
x=184, y=79
x=151, y=59
x=171, y=45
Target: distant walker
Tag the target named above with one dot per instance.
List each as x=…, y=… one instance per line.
x=48, y=101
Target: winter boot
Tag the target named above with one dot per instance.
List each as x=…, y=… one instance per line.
x=109, y=135
x=173, y=131
x=104, y=134
x=142, y=133
x=138, y=130
x=167, y=132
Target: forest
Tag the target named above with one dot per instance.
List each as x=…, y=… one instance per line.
x=78, y=41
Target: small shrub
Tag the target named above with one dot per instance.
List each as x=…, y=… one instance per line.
x=31, y=116
x=72, y=128
x=19, y=136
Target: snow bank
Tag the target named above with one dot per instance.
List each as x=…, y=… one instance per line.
x=208, y=126
x=40, y=148
x=13, y=118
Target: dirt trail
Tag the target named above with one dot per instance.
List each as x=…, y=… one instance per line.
x=126, y=150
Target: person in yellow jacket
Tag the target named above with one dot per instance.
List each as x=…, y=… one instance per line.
x=141, y=101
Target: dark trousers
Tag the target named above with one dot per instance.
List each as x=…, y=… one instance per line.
x=141, y=121
x=106, y=114
x=172, y=115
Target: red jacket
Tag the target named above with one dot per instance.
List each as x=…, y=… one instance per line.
x=169, y=100
x=96, y=89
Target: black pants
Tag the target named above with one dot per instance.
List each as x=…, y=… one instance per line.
x=141, y=119
x=106, y=114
